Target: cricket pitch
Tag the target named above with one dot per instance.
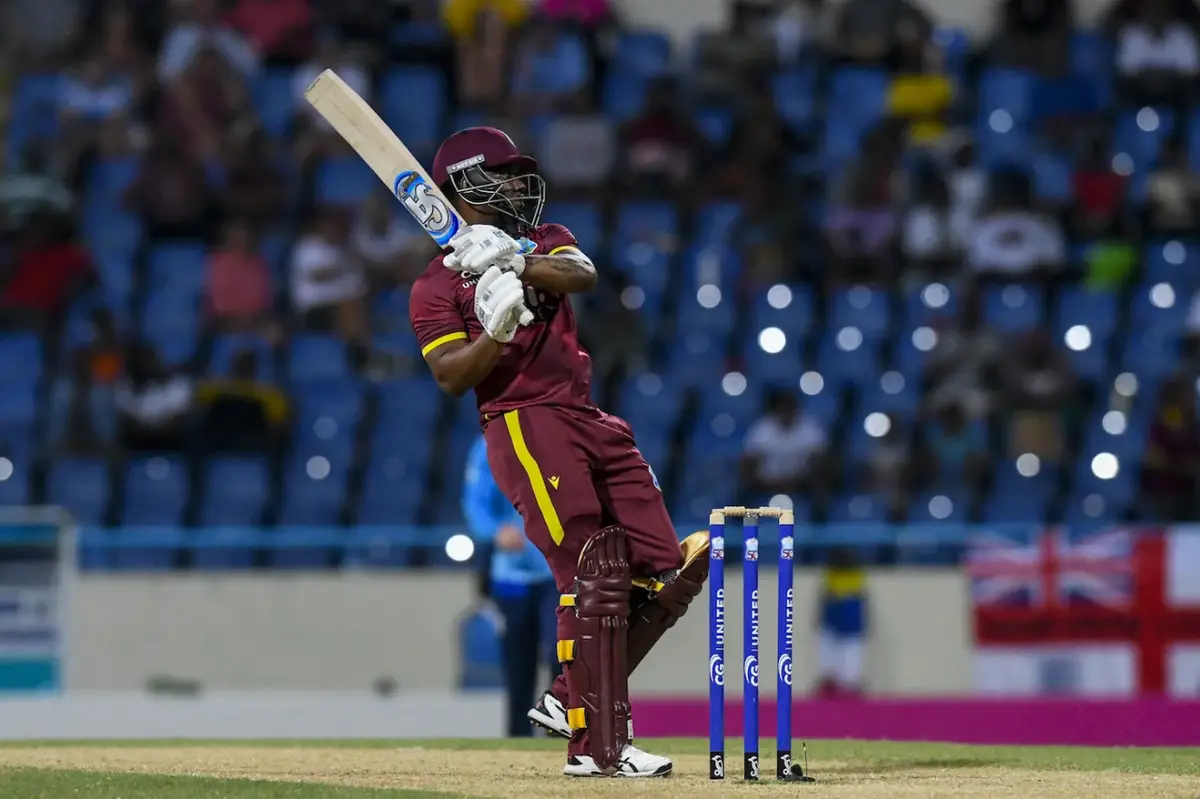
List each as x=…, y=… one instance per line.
x=520, y=769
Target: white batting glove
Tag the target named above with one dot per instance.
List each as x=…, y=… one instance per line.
x=479, y=247
x=500, y=304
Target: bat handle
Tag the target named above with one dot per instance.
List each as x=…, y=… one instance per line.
x=526, y=317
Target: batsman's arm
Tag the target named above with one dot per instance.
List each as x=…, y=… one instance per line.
x=460, y=365
x=565, y=270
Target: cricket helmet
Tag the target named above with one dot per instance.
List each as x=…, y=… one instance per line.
x=484, y=167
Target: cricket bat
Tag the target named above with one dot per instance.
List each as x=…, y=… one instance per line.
x=357, y=123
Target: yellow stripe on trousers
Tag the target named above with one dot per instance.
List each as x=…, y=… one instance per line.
x=534, y=472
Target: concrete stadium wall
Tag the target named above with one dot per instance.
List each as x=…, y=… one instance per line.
x=344, y=631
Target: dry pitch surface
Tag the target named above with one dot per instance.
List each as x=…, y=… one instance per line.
x=523, y=769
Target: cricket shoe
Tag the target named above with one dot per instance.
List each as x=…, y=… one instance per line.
x=632, y=763
x=551, y=716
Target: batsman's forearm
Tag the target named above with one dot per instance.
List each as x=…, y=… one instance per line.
x=567, y=273
x=458, y=369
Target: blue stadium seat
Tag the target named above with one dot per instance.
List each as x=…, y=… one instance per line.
x=715, y=124
x=1172, y=261
x=328, y=411
x=274, y=97
x=794, y=316
x=934, y=506
x=409, y=405
x=839, y=364
x=236, y=490
x=81, y=485
x=228, y=345
x=776, y=368
x=316, y=358
x=715, y=222
x=178, y=266
x=863, y=308
x=412, y=100
x=650, y=400
x=1014, y=308
x=18, y=409
x=1005, y=108
x=156, y=491
x=1142, y=133
x=644, y=53
x=581, y=218
x=623, y=95
x=858, y=508
x=1096, y=310
x=394, y=489
x=21, y=354
x=796, y=95
x=1053, y=174
x=924, y=305
x=312, y=496
x=172, y=322
x=1159, y=310
x=344, y=180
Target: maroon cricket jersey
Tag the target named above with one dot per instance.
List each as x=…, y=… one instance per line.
x=544, y=364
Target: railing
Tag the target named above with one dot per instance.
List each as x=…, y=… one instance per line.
x=156, y=548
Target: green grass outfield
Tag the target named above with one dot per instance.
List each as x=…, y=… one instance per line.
x=370, y=769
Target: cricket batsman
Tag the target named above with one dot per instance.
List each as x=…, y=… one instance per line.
x=589, y=501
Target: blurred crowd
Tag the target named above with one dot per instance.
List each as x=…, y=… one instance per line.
x=173, y=83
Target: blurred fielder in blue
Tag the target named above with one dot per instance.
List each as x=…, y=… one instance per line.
x=521, y=585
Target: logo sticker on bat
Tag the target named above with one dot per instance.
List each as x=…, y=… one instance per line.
x=430, y=210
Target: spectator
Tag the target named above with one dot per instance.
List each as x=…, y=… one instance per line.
x=577, y=152
x=154, y=404
x=1099, y=191
x=240, y=295
x=1012, y=240
x=1173, y=192
x=327, y=285
x=1172, y=459
x=1111, y=260
x=520, y=583
x=862, y=225
x=172, y=193
x=931, y=246
x=870, y=31
x=1029, y=25
x=350, y=67
x=551, y=70
x=921, y=94
x=281, y=31
x=204, y=101
x=82, y=417
x=660, y=145
x=588, y=14
x=952, y=448
x=888, y=467
x=200, y=28
x=842, y=627
x=1158, y=57
x=392, y=251
x=483, y=57
x=50, y=270
x=611, y=329
x=968, y=189
x=759, y=142
x=255, y=184
x=96, y=91
x=784, y=450
x=461, y=16
x=106, y=351
x=963, y=366
x=29, y=186
x=242, y=412
x=1040, y=393
x=769, y=238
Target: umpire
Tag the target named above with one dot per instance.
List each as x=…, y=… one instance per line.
x=521, y=585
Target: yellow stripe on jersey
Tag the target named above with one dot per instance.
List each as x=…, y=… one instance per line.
x=440, y=340
x=566, y=248
x=534, y=472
